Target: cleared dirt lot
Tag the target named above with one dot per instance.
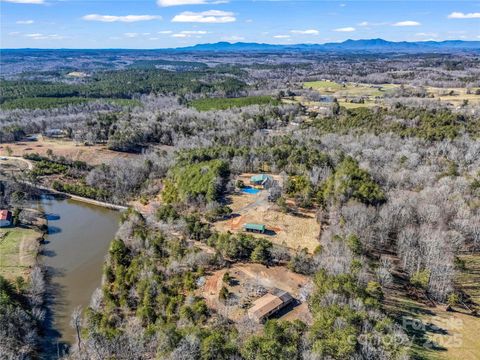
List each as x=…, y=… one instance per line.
x=249, y=282
x=93, y=155
x=295, y=231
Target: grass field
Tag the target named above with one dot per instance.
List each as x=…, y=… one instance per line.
x=93, y=155
x=18, y=251
x=343, y=92
x=227, y=103
x=326, y=86
x=441, y=334
x=469, y=278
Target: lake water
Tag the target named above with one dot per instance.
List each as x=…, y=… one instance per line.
x=78, y=239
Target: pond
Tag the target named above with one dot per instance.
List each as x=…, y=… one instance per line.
x=77, y=242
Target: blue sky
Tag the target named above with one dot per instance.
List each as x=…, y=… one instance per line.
x=175, y=23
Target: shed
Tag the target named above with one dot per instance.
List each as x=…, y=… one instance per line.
x=5, y=218
x=258, y=228
x=269, y=304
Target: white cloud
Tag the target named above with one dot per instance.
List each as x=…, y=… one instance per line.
x=165, y=3
x=211, y=16
x=25, y=22
x=194, y=32
x=364, y=23
x=345, y=29
x=25, y=1
x=131, y=34
x=39, y=36
x=189, y=33
x=233, y=38
x=305, y=32
x=461, y=15
x=406, y=23
x=165, y=32
x=281, y=36
x=126, y=18
x=14, y=33
x=427, y=34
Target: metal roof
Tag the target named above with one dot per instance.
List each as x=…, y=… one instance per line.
x=259, y=178
x=264, y=306
x=258, y=227
x=269, y=303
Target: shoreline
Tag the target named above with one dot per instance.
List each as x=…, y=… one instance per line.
x=78, y=198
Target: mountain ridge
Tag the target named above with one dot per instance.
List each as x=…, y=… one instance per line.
x=347, y=45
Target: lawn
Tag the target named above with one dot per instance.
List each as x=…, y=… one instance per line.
x=440, y=334
x=327, y=86
x=18, y=251
x=469, y=278
x=227, y=103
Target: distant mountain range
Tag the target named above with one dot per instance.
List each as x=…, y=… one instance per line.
x=348, y=46
x=368, y=45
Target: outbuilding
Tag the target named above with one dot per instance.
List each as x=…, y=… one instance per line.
x=5, y=218
x=256, y=228
x=269, y=304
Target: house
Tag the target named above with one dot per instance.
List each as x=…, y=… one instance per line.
x=5, y=218
x=261, y=180
x=269, y=304
x=256, y=228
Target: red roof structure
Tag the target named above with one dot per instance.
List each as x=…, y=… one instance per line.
x=5, y=215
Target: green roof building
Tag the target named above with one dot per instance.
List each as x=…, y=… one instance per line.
x=260, y=179
x=258, y=228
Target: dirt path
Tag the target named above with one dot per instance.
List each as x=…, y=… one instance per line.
x=27, y=162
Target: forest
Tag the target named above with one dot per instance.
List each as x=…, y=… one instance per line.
x=392, y=180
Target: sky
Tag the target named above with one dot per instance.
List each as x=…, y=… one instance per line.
x=150, y=24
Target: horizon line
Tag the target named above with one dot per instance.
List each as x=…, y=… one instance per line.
x=250, y=43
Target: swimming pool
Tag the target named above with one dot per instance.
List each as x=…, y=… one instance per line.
x=250, y=190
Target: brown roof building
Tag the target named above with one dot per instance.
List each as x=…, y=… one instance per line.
x=269, y=304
